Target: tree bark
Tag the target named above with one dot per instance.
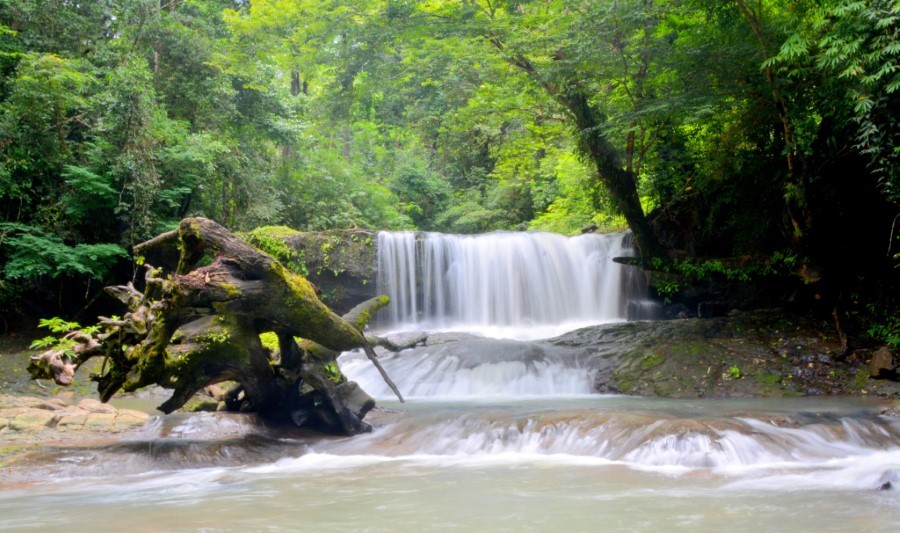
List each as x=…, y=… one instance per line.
x=201, y=326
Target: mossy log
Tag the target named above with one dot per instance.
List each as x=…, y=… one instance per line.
x=201, y=325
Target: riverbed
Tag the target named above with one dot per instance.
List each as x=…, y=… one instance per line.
x=576, y=463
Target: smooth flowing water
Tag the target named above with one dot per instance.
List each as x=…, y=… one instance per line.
x=550, y=464
x=497, y=435
x=501, y=284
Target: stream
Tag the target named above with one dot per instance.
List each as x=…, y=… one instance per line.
x=498, y=434
x=509, y=464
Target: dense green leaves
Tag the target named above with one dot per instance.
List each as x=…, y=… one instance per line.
x=733, y=127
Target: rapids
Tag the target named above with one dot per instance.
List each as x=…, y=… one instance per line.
x=497, y=435
x=540, y=464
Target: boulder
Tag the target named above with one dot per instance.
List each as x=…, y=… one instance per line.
x=881, y=365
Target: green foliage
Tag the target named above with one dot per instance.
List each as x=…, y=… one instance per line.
x=119, y=118
x=32, y=253
x=63, y=344
x=882, y=320
x=670, y=276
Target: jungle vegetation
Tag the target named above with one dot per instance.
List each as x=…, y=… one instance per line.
x=711, y=129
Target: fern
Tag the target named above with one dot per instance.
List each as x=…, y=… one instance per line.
x=32, y=254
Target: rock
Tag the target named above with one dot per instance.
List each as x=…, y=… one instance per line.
x=356, y=399
x=408, y=339
x=12, y=412
x=72, y=420
x=881, y=365
x=215, y=392
x=888, y=479
x=642, y=310
x=32, y=420
x=95, y=406
x=127, y=419
x=710, y=309
x=100, y=421
x=340, y=262
x=674, y=311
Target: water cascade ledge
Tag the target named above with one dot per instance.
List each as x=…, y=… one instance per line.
x=505, y=279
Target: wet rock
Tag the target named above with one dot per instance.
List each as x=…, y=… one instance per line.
x=888, y=480
x=675, y=311
x=435, y=339
x=32, y=420
x=408, y=339
x=642, y=310
x=356, y=399
x=710, y=309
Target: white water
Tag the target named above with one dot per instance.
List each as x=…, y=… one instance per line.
x=588, y=464
x=498, y=435
x=473, y=368
x=515, y=281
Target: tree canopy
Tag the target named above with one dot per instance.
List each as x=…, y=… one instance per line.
x=710, y=129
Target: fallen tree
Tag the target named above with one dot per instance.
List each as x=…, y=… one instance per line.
x=201, y=325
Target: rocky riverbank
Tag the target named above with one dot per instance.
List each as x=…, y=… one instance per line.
x=763, y=353
x=759, y=354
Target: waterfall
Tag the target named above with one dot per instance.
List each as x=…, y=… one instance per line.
x=500, y=279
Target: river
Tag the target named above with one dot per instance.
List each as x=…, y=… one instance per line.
x=509, y=464
x=496, y=435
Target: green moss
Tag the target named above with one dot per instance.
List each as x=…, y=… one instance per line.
x=860, y=380
x=767, y=378
x=198, y=406
x=230, y=290
x=214, y=338
x=652, y=359
x=272, y=240
x=334, y=373
x=269, y=340
x=627, y=386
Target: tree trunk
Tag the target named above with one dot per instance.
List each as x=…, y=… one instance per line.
x=618, y=181
x=201, y=326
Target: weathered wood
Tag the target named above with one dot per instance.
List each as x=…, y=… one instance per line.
x=201, y=325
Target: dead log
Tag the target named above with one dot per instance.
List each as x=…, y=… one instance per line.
x=199, y=326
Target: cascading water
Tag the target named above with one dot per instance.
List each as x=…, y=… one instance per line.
x=505, y=279
x=510, y=438
x=502, y=285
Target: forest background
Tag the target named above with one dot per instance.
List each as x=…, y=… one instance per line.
x=764, y=130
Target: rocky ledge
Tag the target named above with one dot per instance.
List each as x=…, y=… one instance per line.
x=761, y=354
x=26, y=416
